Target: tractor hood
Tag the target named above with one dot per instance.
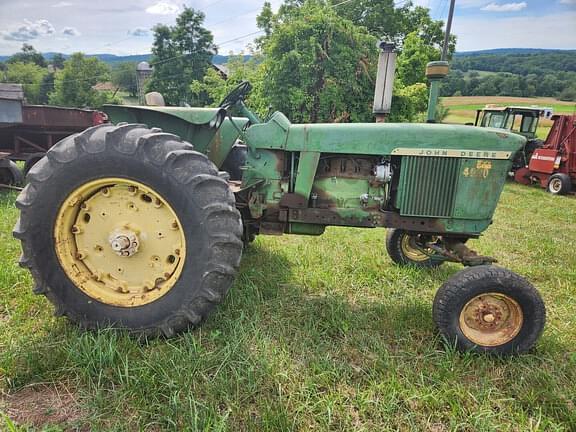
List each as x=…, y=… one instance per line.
x=386, y=139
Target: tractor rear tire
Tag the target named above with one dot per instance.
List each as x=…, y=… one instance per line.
x=32, y=160
x=403, y=250
x=559, y=184
x=11, y=175
x=180, y=248
x=489, y=309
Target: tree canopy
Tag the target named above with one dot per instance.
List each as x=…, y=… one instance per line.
x=28, y=54
x=31, y=76
x=73, y=85
x=124, y=76
x=319, y=60
x=181, y=54
x=320, y=66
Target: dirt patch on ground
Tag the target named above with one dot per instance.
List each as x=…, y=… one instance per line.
x=43, y=405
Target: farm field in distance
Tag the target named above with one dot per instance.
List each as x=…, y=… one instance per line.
x=463, y=108
x=316, y=334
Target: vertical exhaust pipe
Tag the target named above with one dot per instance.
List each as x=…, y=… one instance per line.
x=384, y=81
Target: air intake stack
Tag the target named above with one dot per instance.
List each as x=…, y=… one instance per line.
x=436, y=71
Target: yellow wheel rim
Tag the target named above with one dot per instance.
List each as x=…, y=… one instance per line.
x=491, y=319
x=411, y=250
x=120, y=242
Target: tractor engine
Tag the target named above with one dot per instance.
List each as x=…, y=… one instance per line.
x=351, y=182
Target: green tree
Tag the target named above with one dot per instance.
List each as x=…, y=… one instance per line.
x=46, y=88
x=181, y=55
x=411, y=64
x=239, y=69
x=408, y=102
x=320, y=67
x=30, y=75
x=57, y=61
x=124, y=76
x=386, y=19
x=73, y=85
x=394, y=21
x=265, y=19
x=28, y=55
x=568, y=94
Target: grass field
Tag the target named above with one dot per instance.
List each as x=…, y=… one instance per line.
x=463, y=108
x=316, y=334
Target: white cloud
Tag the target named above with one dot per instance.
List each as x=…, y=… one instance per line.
x=139, y=32
x=62, y=4
x=70, y=31
x=29, y=30
x=568, y=2
x=163, y=7
x=515, y=32
x=506, y=7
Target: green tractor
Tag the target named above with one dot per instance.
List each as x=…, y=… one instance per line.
x=140, y=224
x=518, y=119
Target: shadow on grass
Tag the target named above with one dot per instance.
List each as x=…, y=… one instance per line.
x=278, y=356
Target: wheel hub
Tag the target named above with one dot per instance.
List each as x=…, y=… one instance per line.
x=124, y=243
x=413, y=251
x=491, y=319
x=120, y=242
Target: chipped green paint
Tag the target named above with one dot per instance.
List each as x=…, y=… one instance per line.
x=224, y=139
x=447, y=178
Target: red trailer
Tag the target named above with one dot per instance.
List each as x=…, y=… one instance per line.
x=553, y=165
x=28, y=131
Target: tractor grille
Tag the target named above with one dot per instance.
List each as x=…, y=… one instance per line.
x=428, y=186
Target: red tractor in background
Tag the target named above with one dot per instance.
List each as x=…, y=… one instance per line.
x=554, y=164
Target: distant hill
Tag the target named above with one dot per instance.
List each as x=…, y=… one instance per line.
x=513, y=72
x=221, y=59
x=112, y=59
x=508, y=51
x=517, y=61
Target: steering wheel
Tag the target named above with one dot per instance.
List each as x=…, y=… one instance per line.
x=236, y=95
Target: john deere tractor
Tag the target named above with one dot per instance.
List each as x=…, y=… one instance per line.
x=518, y=119
x=140, y=224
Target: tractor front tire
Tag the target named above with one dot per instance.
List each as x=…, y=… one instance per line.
x=559, y=184
x=128, y=227
x=403, y=249
x=489, y=309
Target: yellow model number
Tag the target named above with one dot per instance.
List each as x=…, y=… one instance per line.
x=482, y=170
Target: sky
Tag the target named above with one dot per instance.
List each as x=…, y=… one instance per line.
x=123, y=27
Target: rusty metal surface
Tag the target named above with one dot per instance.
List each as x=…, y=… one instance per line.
x=345, y=167
x=293, y=200
x=43, y=126
x=372, y=220
x=56, y=117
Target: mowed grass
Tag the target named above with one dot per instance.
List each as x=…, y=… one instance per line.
x=463, y=108
x=316, y=334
